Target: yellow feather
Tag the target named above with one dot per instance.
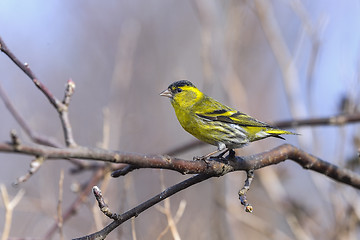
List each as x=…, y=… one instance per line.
x=213, y=122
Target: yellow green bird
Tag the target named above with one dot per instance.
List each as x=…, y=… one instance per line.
x=213, y=122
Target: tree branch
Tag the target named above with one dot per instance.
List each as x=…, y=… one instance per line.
x=145, y=205
x=327, y=121
x=81, y=198
x=34, y=136
x=26, y=69
x=61, y=107
x=216, y=167
x=248, y=163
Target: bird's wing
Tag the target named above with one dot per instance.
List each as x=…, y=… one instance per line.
x=212, y=110
x=241, y=119
x=233, y=117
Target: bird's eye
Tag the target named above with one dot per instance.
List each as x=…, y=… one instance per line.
x=178, y=90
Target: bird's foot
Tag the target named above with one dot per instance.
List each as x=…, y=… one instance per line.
x=202, y=158
x=231, y=154
x=220, y=157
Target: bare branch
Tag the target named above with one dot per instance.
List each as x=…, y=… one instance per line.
x=20, y=120
x=123, y=170
x=26, y=69
x=15, y=141
x=102, y=205
x=216, y=167
x=59, y=205
x=61, y=107
x=166, y=210
x=9, y=208
x=145, y=205
x=245, y=189
x=178, y=215
x=69, y=91
x=34, y=136
x=81, y=198
x=325, y=121
x=34, y=167
x=64, y=114
x=248, y=163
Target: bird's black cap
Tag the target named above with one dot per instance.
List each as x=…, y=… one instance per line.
x=181, y=83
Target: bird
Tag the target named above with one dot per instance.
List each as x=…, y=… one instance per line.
x=215, y=123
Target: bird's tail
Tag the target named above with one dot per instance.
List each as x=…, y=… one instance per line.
x=277, y=132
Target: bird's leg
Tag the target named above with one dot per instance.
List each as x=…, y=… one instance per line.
x=221, y=146
x=220, y=156
x=231, y=153
x=223, y=153
x=203, y=158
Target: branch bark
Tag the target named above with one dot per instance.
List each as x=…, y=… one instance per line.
x=134, y=212
x=218, y=167
x=60, y=106
x=324, y=121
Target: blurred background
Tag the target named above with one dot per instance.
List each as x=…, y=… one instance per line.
x=275, y=60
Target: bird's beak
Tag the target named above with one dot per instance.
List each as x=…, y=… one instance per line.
x=166, y=93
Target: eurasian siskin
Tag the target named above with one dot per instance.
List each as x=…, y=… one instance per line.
x=214, y=123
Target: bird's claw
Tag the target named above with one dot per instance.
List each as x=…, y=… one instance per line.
x=202, y=158
x=231, y=154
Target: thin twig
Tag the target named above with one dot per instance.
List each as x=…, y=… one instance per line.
x=95, y=209
x=27, y=70
x=34, y=136
x=81, y=198
x=9, y=208
x=59, y=205
x=123, y=171
x=102, y=205
x=166, y=210
x=147, y=204
x=61, y=107
x=133, y=232
x=34, y=167
x=272, y=30
x=178, y=215
x=63, y=110
x=245, y=189
x=105, y=142
x=14, y=138
x=325, y=121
